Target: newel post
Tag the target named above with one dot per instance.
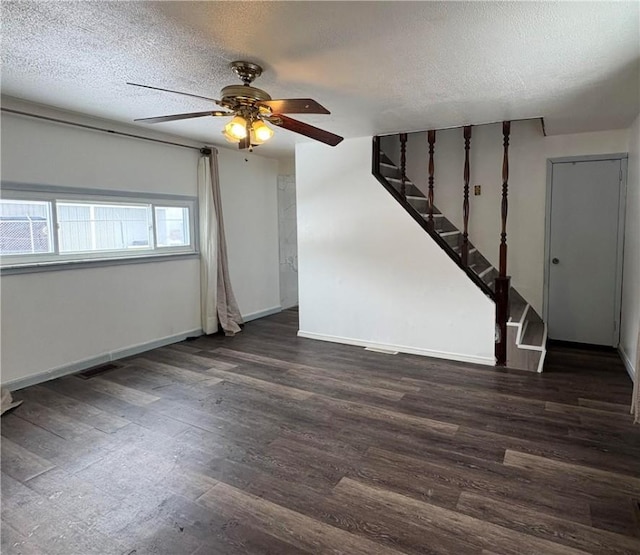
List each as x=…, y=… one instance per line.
x=431, y=138
x=403, y=164
x=465, y=202
x=502, y=283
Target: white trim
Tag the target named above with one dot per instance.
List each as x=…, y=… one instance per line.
x=33, y=379
x=543, y=354
x=627, y=364
x=487, y=361
x=261, y=313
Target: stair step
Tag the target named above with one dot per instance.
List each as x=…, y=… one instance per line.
x=458, y=249
x=449, y=233
x=516, y=308
x=385, y=165
x=426, y=216
x=534, y=334
x=485, y=272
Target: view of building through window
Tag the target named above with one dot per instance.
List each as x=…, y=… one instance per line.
x=46, y=229
x=25, y=227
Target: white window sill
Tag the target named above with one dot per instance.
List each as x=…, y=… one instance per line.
x=56, y=265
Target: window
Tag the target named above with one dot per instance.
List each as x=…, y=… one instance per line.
x=41, y=226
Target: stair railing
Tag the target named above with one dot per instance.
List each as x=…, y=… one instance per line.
x=500, y=293
x=425, y=223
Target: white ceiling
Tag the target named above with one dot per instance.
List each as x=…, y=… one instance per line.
x=380, y=67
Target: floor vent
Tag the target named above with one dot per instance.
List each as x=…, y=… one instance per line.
x=96, y=370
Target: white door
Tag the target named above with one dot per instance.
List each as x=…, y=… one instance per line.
x=583, y=253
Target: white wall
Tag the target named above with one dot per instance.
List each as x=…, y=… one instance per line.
x=369, y=274
x=288, y=239
x=631, y=271
x=64, y=318
x=528, y=153
x=249, y=188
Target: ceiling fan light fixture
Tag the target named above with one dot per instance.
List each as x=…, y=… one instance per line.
x=230, y=138
x=261, y=131
x=236, y=128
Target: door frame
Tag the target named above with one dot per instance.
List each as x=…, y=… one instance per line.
x=623, y=157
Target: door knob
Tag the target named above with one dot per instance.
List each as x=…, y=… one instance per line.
x=555, y=261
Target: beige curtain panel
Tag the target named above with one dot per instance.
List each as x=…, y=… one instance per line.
x=216, y=289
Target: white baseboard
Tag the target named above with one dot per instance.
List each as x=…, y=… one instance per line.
x=78, y=366
x=488, y=361
x=628, y=364
x=261, y=313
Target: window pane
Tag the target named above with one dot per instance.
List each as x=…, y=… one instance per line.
x=25, y=227
x=172, y=226
x=101, y=227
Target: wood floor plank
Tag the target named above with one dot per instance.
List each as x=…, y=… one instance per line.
x=589, y=411
x=70, y=455
x=127, y=394
x=603, y=405
x=173, y=372
x=433, y=519
x=384, y=387
x=53, y=420
x=13, y=542
x=264, y=385
x=73, y=409
x=20, y=463
x=287, y=525
x=625, y=484
x=385, y=415
x=543, y=525
x=489, y=478
x=50, y=529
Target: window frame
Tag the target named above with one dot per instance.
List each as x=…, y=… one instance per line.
x=55, y=260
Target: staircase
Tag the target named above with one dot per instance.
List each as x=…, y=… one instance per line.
x=526, y=333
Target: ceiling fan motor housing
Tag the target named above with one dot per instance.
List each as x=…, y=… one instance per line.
x=242, y=95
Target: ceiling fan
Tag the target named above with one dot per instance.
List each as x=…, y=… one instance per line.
x=251, y=109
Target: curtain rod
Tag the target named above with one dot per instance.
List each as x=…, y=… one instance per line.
x=205, y=151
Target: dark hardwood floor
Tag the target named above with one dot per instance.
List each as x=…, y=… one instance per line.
x=267, y=443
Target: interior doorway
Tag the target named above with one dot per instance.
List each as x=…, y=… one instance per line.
x=584, y=240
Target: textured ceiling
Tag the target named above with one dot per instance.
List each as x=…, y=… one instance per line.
x=379, y=67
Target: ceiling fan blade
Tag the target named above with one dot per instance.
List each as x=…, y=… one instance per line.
x=305, y=129
x=176, y=117
x=295, y=106
x=175, y=92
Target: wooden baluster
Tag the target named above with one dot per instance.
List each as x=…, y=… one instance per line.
x=502, y=282
x=506, y=130
x=403, y=164
x=431, y=137
x=465, y=202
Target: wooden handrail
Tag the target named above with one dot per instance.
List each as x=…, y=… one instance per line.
x=465, y=203
x=431, y=138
